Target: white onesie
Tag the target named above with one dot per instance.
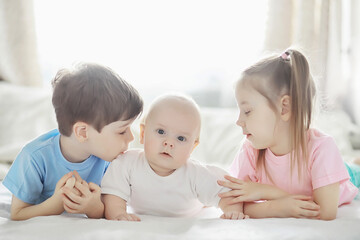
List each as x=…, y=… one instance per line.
x=181, y=194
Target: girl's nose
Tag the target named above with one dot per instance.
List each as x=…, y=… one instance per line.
x=240, y=123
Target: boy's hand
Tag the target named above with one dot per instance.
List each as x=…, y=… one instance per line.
x=83, y=198
x=127, y=217
x=57, y=195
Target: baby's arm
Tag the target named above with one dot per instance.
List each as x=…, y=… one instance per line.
x=52, y=206
x=115, y=209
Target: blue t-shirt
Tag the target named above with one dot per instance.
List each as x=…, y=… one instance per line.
x=40, y=165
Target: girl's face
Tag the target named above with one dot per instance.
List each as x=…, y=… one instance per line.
x=257, y=120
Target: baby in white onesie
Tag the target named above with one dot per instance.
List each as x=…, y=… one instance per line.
x=162, y=179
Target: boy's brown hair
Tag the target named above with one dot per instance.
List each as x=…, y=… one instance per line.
x=93, y=94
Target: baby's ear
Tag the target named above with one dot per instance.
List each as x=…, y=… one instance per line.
x=80, y=131
x=142, y=130
x=196, y=143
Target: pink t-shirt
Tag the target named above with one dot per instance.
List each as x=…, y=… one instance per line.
x=325, y=167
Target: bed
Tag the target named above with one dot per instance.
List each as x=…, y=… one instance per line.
x=27, y=112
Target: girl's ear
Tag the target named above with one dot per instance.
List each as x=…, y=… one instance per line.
x=285, y=102
x=80, y=131
x=142, y=130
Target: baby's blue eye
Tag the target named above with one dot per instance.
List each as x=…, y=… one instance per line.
x=160, y=131
x=181, y=138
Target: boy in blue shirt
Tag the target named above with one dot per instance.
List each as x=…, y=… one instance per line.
x=94, y=109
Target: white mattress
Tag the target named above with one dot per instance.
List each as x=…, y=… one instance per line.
x=207, y=225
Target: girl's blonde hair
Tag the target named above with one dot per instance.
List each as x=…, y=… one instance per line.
x=287, y=74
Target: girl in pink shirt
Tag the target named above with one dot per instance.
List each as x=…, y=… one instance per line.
x=285, y=168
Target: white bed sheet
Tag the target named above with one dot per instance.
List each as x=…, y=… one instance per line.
x=205, y=226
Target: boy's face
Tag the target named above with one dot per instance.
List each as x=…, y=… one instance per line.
x=169, y=136
x=113, y=140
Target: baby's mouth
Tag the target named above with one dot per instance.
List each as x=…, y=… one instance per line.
x=166, y=154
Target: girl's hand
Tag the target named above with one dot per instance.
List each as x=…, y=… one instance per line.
x=298, y=206
x=243, y=191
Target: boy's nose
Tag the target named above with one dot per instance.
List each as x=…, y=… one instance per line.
x=130, y=135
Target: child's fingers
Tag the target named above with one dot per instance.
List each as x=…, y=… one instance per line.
x=134, y=218
x=232, y=179
x=70, y=206
x=310, y=205
x=231, y=193
x=83, y=188
x=77, y=176
x=94, y=187
x=72, y=196
x=231, y=185
x=63, y=179
x=302, y=197
x=309, y=213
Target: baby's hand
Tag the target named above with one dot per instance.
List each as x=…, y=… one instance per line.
x=127, y=217
x=234, y=215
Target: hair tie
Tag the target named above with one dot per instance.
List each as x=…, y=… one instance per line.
x=285, y=56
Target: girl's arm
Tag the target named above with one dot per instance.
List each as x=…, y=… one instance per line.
x=298, y=206
x=327, y=198
x=115, y=209
x=246, y=190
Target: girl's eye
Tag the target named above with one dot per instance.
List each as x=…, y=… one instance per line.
x=160, y=131
x=122, y=133
x=181, y=138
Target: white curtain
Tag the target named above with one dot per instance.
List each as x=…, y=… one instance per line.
x=320, y=28
x=19, y=62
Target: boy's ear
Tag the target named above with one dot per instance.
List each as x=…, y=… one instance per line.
x=80, y=131
x=285, y=102
x=142, y=130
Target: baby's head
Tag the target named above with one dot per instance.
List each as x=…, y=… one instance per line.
x=170, y=131
x=93, y=94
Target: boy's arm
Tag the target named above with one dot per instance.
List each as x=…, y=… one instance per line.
x=115, y=208
x=52, y=206
x=231, y=211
